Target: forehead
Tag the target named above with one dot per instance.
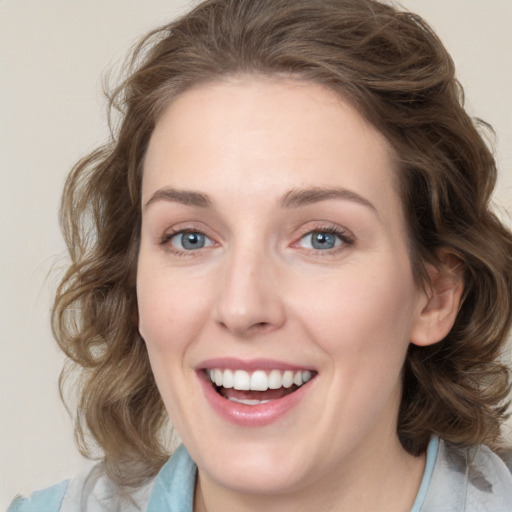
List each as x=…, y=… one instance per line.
x=266, y=134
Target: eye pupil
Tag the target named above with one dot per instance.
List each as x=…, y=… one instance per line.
x=192, y=240
x=322, y=240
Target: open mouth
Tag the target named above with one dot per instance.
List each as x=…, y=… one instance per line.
x=257, y=387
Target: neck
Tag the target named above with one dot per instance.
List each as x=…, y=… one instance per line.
x=386, y=479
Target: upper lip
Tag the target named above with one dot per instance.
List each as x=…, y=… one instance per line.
x=250, y=365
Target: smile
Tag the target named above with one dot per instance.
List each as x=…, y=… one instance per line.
x=254, y=396
x=228, y=382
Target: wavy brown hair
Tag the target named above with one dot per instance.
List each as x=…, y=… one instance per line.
x=395, y=71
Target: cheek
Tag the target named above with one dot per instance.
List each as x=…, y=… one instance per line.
x=362, y=314
x=155, y=312
x=169, y=323
x=167, y=310
x=362, y=322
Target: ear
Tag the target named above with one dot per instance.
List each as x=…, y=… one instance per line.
x=440, y=301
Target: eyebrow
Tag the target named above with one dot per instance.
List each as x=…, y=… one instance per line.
x=186, y=197
x=294, y=198
x=303, y=196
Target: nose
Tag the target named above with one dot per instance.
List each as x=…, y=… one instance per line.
x=250, y=300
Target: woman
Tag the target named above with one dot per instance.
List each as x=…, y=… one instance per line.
x=291, y=257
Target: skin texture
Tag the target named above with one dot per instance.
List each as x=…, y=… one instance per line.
x=258, y=289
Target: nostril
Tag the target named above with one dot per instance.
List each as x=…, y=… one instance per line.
x=244, y=331
x=261, y=326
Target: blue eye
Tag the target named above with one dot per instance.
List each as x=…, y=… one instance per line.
x=321, y=240
x=190, y=241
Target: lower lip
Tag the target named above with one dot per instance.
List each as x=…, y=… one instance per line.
x=252, y=415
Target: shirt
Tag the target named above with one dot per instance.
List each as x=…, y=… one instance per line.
x=455, y=480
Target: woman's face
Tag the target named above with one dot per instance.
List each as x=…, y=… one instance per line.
x=274, y=251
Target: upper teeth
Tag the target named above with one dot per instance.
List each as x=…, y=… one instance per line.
x=259, y=380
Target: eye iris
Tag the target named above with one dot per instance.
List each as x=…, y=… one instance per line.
x=192, y=240
x=322, y=240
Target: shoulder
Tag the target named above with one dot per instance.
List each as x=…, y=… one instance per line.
x=90, y=491
x=470, y=479
x=489, y=480
x=49, y=500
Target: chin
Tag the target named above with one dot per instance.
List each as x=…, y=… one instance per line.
x=256, y=470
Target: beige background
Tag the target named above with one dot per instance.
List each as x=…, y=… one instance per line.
x=52, y=55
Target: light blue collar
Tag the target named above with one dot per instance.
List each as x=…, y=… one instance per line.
x=427, y=474
x=173, y=490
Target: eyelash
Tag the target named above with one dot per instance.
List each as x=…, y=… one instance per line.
x=344, y=236
x=169, y=235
